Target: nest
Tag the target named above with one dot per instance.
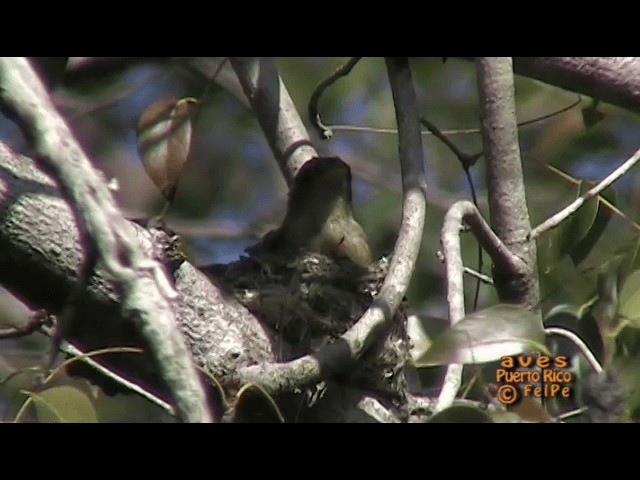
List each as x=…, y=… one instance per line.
x=309, y=300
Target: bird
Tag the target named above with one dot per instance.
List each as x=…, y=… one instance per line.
x=319, y=215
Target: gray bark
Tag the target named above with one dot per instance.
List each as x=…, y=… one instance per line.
x=505, y=182
x=614, y=80
x=278, y=117
x=40, y=256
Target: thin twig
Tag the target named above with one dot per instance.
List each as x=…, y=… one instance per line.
x=213, y=77
x=607, y=204
x=207, y=87
x=503, y=258
x=374, y=322
x=480, y=276
x=467, y=161
x=35, y=322
x=146, y=291
x=66, y=321
x=465, y=211
x=77, y=355
x=455, y=131
x=566, y=212
x=550, y=115
x=314, y=113
x=376, y=174
x=578, y=342
x=86, y=357
x=69, y=349
x=473, y=273
x=476, y=294
x=572, y=413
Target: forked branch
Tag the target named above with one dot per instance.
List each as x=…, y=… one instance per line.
x=510, y=264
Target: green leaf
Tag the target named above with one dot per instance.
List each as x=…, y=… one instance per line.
x=485, y=336
x=571, y=233
x=556, y=246
x=422, y=331
x=63, y=404
x=582, y=220
x=461, y=414
x=583, y=247
x=255, y=405
x=629, y=258
x=564, y=282
x=629, y=299
x=591, y=115
x=628, y=369
x=562, y=315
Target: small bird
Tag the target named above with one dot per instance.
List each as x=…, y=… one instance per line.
x=319, y=216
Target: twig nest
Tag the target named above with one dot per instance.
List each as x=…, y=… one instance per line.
x=310, y=299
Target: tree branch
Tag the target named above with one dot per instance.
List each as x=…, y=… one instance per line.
x=314, y=112
x=39, y=240
x=578, y=342
x=465, y=211
x=614, y=80
x=146, y=290
x=277, y=115
x=514, y=261
x=356, y=341
x=69, y=349
x=505, y=183
x=569, y=210
x=478, y=276
x=503, y=259
x=35, y=322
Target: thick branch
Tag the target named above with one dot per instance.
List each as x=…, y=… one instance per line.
x=614, y=80
x=147, y=293
x=465, y=211
x=278, y=117
x=505, y=183
x=366, y=331
x=40, y=255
